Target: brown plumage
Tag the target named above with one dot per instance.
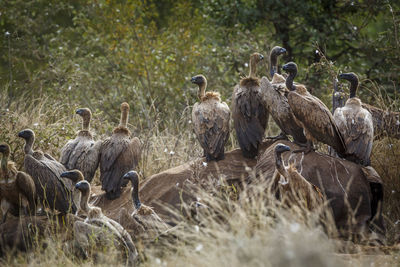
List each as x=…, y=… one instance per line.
x=291, y=187
x=355, y=124
x=210, y=119
x=143, y=222
x=53, y=191
x=99, y=228
x=276, y=102
x=119, y=154
x=315, y=118
x=82, y=153
x=249, y=114
x=17, y=188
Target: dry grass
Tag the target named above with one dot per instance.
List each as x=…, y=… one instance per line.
x=251, y=231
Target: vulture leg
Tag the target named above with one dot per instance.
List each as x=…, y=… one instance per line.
x=281, y=136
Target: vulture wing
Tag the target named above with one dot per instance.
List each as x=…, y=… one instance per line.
x=27, y=187
x=250, y=118
x=211, y=125
x=276, y=102
x=317, y=119
x=49, y=186
x=67, y=151
x=119, y=154
x=357, y=128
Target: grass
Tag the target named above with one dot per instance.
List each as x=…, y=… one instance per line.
x=251, y=231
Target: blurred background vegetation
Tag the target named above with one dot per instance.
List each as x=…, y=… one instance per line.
x=101, y=53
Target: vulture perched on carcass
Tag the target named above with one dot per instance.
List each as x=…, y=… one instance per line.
x=356, y=125
x=313, y=115
x=99, y=229
x=82, y=153
x=53, y=191
x=119, y=154
x=143, y=221
x=249, y=113
x=276, y=102
x=17, y=188
x=210, y=119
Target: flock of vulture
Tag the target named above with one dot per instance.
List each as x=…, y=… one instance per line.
x=49, y=186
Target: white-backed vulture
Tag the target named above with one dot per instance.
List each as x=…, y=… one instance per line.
x=100, y=229
x=355, y=124
x=143, y=221
x=273, y=60
x=276, y=102
x=119, y=154
x=291, y=187
x=82, y=153
x=249, y=114
x=17, y=188
x=315, y=118
x=53, y=191
x=210, y=119
x=75, y=176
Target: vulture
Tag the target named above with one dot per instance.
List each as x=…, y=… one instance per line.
x=83, y=152
x=210, y=119
x=17, y=188
x=100, y=229
x=276, y=102
x=249, y=114
x=356, y=125
x=75, y=176
x=119, y=154
x=53, y=191
x=143, y=220
x=310, y=112
x=273, y=61
x=291, y=187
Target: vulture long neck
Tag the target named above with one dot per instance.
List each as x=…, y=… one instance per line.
x=202, y=90
x=28, y=145
x=253, y=68
x=86, y=122
x=124, y=117
x=290, y=79
x=135, y=192
x=273, y=64
x=353, y=88
x=85, y=202
x=279, y=164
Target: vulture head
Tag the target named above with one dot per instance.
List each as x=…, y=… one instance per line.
x=83, y=187
x=256, y=58
x=280, y=148
x=290, y=68
x=26, y=134
x=201, y=81
x=353, y=79
x=85, y=113
x=133, y=177
x=273, y=58
x=124, y=107
x=5, y=149
x=74, y=175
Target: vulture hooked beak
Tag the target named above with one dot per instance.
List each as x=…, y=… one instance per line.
x=26, y=134
x=79, y=111
x=280, y=148
x=261, y=57
x=282, y=51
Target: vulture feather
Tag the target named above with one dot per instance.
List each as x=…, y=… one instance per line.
x=356, y=125
x=249, y=114
x=17, y=188
x=83, y=152
x=315, y=118
x=210, y=119
x=100, y=228
x=143, y=221
x=119, y=154
x=53, y=191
